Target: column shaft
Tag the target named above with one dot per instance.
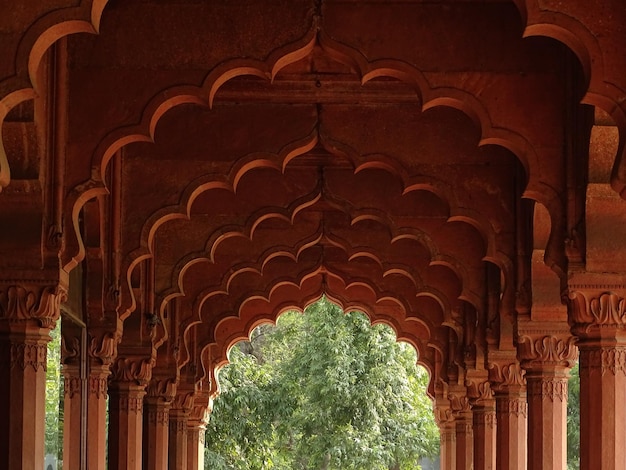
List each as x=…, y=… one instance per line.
x=195, y=446
x=72, y=411
x=447, y=451
x=547, y=421
x=511, y=415
x=23, y=353
x=178, y=440
x=485, y=435
x=464, y=442
x=156, y=434
x=96, y=417
x=126, y=426
x=602, y=406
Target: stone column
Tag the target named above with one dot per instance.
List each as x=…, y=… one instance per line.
x=102, y=352
x=511, y=416
x=599, y=319
x=156, y=424
x=463, y=423
x=547, y=356
x=27, y=314
x=447, y=435
x=484, y=411
x=72, y=396
x=126, y=392
x=196, y=428
x=195, y=444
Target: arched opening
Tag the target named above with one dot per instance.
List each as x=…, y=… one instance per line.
x=322, y=390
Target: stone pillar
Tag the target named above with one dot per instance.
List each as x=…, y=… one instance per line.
x=178, y=439
x=484, y=419
x=27, y=314
x=547, y=359
x=97, y=416
x=126, y=392
x=72, y=396
x=72, y=413
x=511, y=416
x=156, y=424
x=599, y=320
x=195, y=444
x=463, y=423
x=102, y=350
x=447, y=435
x=196, y=428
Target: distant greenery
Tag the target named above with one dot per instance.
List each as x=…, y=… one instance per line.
x=573, y=421
x=54, y=391
x=322, y=390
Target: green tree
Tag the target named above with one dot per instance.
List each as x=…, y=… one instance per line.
x=322, y=391
x=54, y=424
x=573, y=420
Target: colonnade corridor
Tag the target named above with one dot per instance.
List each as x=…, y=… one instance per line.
x=174, y=173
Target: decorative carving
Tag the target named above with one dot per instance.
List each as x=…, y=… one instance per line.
x=70, y=349
x=29, y=354
x=514, y=406
x=551, y=388
x=164, y=389
x=137, y=370
x=98, y=385
x=158, y=415
x=508, y=375
x=547, y=350
x=606, y=310
x=485, y=418
x=443, y=414
x=606, y=359
x=104, y=349
x=72, y=386
x=32, y=302
x=129, y=404
x=479, y=391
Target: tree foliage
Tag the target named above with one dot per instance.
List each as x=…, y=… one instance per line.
x=54, y=389
x=573, y=420
x=321, y=391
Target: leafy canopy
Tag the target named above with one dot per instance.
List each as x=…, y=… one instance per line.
x=322, y=390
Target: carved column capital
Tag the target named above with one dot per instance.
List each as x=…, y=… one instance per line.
x=103, y=347
x=163, y=389
x=28, y=301
x=596, y=312
x=132, y=369
x=507, y=375
x=479, y=391
x=547, y=349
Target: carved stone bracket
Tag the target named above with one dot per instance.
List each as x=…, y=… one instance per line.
x=507, y=375
x=103, y=349
x=547, y=350
x=479, y=391
x=132, y=369
x=23, y=302
x=163, y=389
x=593, y=309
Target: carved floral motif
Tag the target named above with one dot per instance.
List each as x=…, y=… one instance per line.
x=104, y=348
x=507, y=375
x=32, y=302
x=137, y=370
x=607, y=309
x=548, y=349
